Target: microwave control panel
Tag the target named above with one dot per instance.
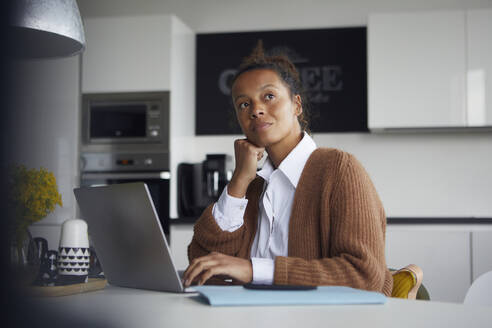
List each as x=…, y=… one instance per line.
x=154, y=121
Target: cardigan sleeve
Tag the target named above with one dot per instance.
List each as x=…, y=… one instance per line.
x=209, y=237
x=357, y=223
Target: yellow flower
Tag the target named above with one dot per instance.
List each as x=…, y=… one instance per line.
x=33, y=194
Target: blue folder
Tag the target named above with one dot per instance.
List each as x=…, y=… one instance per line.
x=237, y=295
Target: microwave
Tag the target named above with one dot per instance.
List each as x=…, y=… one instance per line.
x=130, y=118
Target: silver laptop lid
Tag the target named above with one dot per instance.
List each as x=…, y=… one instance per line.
x=127, y=236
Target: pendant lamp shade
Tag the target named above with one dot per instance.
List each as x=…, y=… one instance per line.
x=46, y=28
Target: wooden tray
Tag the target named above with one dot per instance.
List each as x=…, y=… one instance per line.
x=49, y=291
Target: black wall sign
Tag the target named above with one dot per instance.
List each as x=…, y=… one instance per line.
x=331, y=62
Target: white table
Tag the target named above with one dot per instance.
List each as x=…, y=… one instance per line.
x=124, y=307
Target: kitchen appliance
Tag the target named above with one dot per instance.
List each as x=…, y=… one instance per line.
x=125, y=118
x=201, y=184
x=157, y=182
x=125, y=138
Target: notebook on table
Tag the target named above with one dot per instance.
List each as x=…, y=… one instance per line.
x=323, y=295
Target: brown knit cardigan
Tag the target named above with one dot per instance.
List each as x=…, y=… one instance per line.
x=336, y=229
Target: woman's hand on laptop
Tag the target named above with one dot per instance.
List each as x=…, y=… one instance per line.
x=203, y=268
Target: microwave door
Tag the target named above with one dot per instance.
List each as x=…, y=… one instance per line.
x=118, y=121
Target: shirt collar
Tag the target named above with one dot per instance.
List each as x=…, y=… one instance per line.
x=266, y=170
x=293, y=164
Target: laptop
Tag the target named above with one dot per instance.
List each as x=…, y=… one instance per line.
x=128, y=238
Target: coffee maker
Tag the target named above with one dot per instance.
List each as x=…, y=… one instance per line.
x=201, y=184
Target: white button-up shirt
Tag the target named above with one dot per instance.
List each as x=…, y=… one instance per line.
x=272, y=234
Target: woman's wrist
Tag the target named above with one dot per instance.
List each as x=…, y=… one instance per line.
x=237, y=187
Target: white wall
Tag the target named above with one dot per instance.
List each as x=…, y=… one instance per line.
x=423, y=175
x=45, y=130
x=182, y=113
x=416, y=174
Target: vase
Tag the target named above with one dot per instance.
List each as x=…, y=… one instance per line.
x=24, y=260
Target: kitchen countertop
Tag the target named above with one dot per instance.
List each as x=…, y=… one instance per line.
x=125, y=307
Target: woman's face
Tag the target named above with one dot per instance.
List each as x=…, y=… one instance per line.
x=266, y=111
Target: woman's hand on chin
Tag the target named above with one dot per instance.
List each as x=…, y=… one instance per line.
x=203, y=268
x=247, y=156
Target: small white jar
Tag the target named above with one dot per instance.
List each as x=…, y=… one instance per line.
x=73, y=252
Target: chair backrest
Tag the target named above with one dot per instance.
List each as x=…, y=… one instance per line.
x=407, y=283
x=480, y=292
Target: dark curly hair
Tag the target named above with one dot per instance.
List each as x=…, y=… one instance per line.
x=281, y=64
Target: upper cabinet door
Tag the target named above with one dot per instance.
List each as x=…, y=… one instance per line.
x=416, y=71
x=479, y=70
x=127, y=54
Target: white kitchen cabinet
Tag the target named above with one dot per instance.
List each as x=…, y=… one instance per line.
x=482, y=252
x=416, y=70
x=146, y=53
x=127, y=54
x=444, y=257
x=479, y=68
x=180, y=235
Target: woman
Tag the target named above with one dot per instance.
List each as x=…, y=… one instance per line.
x=310, y=216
